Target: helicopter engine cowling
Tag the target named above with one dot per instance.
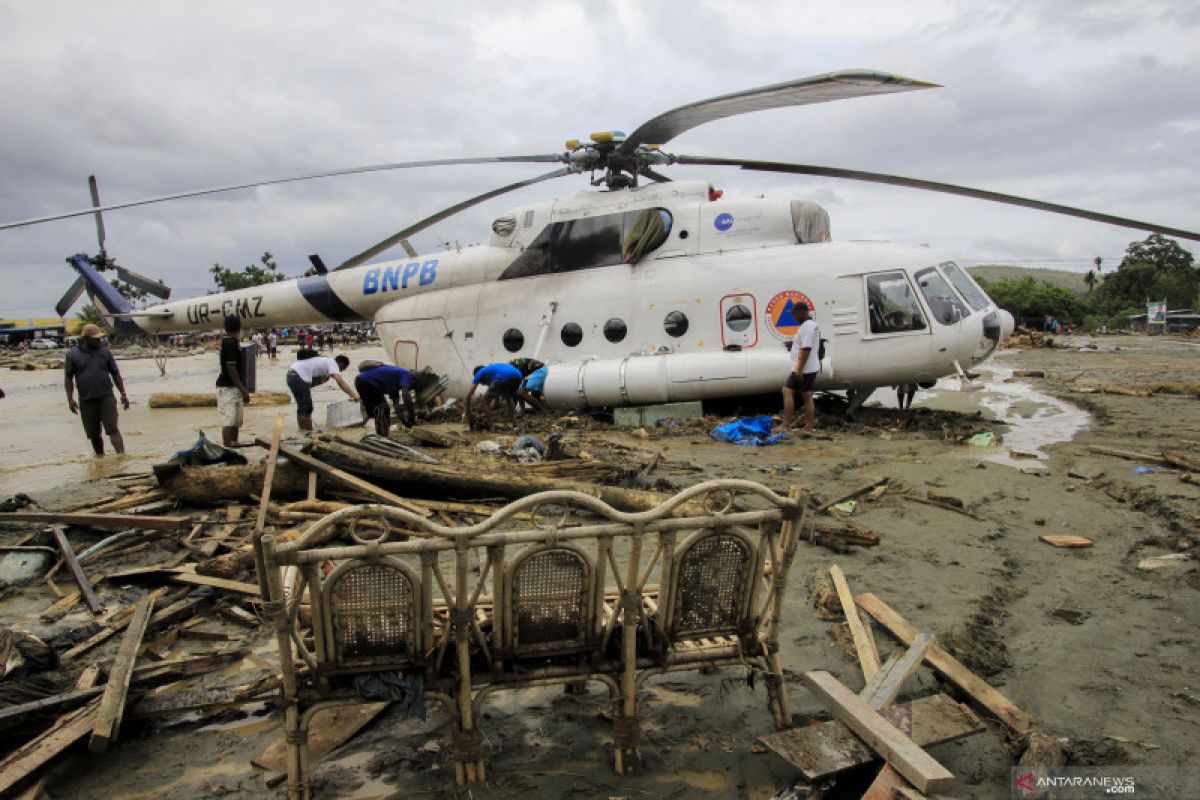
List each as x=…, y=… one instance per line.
x=668, y=378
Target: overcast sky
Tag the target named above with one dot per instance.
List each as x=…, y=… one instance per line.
x=1088, y=103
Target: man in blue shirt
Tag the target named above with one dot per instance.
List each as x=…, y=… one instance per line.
x=376, y=383
x=503, y=382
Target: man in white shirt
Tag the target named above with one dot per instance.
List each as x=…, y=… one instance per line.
x=309, y=372
x=806, y=364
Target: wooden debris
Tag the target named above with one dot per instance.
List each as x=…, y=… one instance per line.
x=828, y=748
x=1066, y=540
x=1127, y=454
x=204, y=700
x=947, y=665
x=232, y=515
x=917, y=766
x=1188, y=477
x=112, y=705
x=27, y=760
x=60, y=608
x=237, y=587
x=81, y=579
x=1042, y=750
x=864, y=643
x=209, y=399
x=346, y=478
x=842, y=538
x=329, y=729
x=1181, y=461
x=824, y=507
x=116, y=522
x=882, y=689
x=938, y=504
x=431, y=438
x=114, y=625
x=147, y=495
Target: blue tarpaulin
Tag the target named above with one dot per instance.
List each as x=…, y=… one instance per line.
x=748, y=430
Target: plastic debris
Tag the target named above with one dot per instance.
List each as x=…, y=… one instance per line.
x=984, y=439
x=748, y=430
x=488, y=446
x=1145, y=470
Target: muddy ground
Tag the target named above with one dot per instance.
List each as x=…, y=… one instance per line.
x=1097, y=650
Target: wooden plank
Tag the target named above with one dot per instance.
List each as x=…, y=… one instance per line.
x=1066, y=540
x=330, y=728
x=112, y=706
x=1007, y=711
x=828, y=748
x=60, y=608
x=864, y=643
x=25, y=761
x=161, y=705
x=232, y=514
x=881, y=690
x=887, y=785
x=116, y=522
x=81, y=578
x=346, y=478
x=917, y=766
x=237, y=587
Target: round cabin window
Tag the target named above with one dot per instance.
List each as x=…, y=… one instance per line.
x=615, y=330
x=738, y=317
x=571, y=334
x=675, y=324
x=514, y=340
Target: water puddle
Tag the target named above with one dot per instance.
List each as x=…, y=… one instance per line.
x=1035, y=420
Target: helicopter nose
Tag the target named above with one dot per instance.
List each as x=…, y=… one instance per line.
x=1007, y=324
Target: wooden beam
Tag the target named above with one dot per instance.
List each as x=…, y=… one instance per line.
x=917, y=766
x=341, y=476
x=947, y=665
x=112, y=705
x=117, y=522
x=81, y=578
x=264, y=503
x=25, y=761
x=881, y=690
x=237, y=587
x=828, y=748
x=864, y=643
x=114, y=625
x=232, y=514
x=1128, y=454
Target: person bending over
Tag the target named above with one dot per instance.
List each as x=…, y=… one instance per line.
x=376, y=383
x=309, y=372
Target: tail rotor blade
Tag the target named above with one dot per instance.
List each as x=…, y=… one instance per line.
x=96, y=204
x=68, y=299
x=148, y=285
x=935, y=186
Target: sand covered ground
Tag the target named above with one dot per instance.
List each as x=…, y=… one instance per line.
x=1094, y=648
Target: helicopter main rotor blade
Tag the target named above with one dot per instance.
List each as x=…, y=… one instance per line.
x=397, y=238
x=935, y=186
x=550, y=158
x=654, y=176
x=68, y=299
x=95, y=190
x=805, y=91
x=148, y=285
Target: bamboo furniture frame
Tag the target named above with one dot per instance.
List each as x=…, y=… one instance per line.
x=570, y=601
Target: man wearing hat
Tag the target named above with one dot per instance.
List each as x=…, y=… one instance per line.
x=92, y=367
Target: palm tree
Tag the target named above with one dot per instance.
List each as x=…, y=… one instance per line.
x=1098, y=260
x=1090, y=279
x=89, y=314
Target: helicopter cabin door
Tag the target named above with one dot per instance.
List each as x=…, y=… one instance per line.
x=406, y=353
x=739, y=322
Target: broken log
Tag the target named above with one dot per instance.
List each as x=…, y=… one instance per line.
x=116, y=522
x=842, y=538
x=237, y=482
x=1180, y=461
x=824, y=507
x=209, y=399
x=317, y=466
x=439, y=480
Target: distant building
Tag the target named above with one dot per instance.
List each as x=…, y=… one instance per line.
x=1185, y=320
x=14, y=331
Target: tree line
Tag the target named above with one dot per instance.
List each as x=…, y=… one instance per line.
x=1152, y=269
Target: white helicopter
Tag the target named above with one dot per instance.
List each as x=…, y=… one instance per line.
x=637, y=294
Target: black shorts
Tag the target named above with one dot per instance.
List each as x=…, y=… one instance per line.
x=372, y=396
x=506, y=388
x=302, y=392
x=96, y=412
x=801, y=383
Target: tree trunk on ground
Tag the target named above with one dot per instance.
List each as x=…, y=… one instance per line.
x=211, y=484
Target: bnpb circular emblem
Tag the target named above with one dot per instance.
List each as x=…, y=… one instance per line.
x=781, y=316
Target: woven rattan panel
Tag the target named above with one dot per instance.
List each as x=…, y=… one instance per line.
x=372, y=613
x=549, y=597
x=712, y=577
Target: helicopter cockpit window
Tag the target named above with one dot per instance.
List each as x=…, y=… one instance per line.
x=943, y=302
x=589, y=242
x=891, y=305
x=974, y=296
